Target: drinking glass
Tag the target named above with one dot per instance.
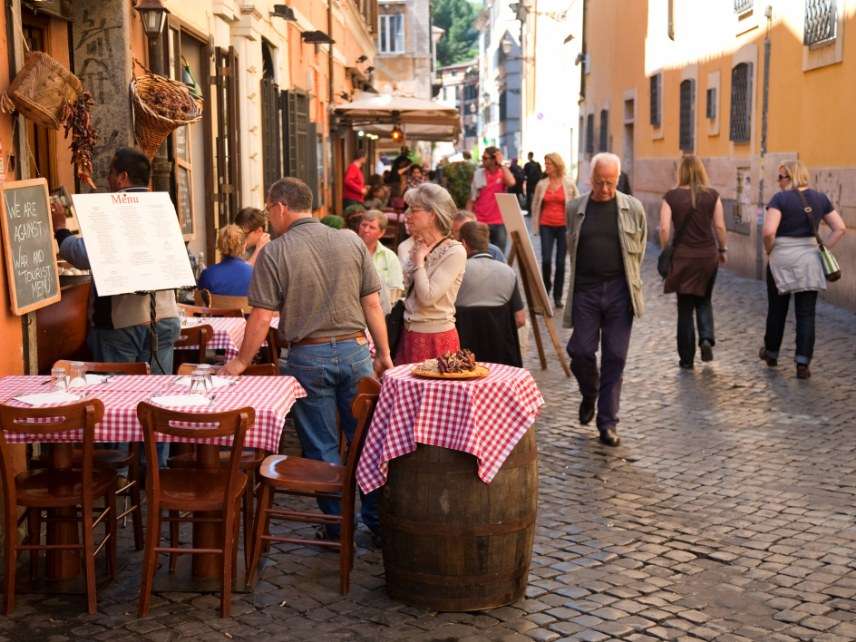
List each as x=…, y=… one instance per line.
x=59, y=378
x=77, y=374
x=197, y=383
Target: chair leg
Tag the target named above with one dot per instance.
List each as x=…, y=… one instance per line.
x=11, y=560
x=34, y=536
x=248, y=518
x=173, y=539
x=149, y=557
x=89, y=562
x=260, y=528
x=112, y=532
x=346, y=555
x=137, y=515
x=229, y=532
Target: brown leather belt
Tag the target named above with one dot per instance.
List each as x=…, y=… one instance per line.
x=314, y=341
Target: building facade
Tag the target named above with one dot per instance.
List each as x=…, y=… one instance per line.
x=459, y=88
x=744, y=85
x=405, y=52
x=500, y=78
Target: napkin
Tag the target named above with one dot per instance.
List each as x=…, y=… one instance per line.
x=47, y=398
x=216, y=382
x=180, y=400
x=91, y=380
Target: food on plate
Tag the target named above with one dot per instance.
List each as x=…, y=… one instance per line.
x=460, y=361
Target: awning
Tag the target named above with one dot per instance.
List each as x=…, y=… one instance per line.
x=420, y=119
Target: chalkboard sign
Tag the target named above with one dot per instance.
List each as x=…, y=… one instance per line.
x=31, y=270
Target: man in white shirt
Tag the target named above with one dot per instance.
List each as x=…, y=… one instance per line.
x=371, y=229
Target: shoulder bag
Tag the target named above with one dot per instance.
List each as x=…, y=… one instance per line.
x=664, y=261
x=831, y=269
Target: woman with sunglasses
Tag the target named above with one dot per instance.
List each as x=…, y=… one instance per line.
x=794, y=265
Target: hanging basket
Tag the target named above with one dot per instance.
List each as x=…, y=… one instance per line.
x=41, y=87
x=160, y=106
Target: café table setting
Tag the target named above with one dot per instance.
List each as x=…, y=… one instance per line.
x=228, y=332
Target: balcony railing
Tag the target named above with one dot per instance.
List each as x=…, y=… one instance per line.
x=821, y=21
x=742, y=6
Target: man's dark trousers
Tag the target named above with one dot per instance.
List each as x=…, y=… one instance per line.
x=602, y=314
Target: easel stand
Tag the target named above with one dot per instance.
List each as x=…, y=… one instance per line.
x=536, y=310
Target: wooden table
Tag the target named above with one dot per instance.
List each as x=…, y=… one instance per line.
x=271, y=397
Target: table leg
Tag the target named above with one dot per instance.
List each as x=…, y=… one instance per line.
x=63, y=564
x=208, y=534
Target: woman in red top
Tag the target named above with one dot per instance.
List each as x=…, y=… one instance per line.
x=354, y=186
x=489, y=180
x=552, y=195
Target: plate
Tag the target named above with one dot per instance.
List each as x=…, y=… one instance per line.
x=480, y=372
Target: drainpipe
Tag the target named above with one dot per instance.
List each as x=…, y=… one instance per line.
x=765, y=107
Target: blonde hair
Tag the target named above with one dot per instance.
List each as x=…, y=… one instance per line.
x=557, y=161
x=230, y=241
x=376, y=215
x=692, y=174
x=435, y=199
x=797, y=172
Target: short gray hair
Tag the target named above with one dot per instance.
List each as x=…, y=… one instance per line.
x=435, y=199
x=376, y=215
x=293, y=193
x=607, y=158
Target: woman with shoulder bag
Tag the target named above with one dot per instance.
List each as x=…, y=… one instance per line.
x=794, y=266
x=432, y=278
x=695, y=212
x=549, y=204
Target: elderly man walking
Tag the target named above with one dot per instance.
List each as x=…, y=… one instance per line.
x=323, y=316
x=606, y=240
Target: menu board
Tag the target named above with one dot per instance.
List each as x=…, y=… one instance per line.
x=134, y=242
x=28, y=245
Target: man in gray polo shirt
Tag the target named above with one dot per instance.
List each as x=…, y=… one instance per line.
x=325, y=287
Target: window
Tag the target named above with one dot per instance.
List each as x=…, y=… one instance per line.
x=603, y=143
x=656, y=85
x=710, y=104
x=590, y=134
x=743, y=6
x=503, y=106
x=391, y=33
x=582, y=139
x=821, y=21
x=741, y=103
x=687, y=117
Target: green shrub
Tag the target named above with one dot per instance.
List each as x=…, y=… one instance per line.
x=458, y=177
x=336, y=222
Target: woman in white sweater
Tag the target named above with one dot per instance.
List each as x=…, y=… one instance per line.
x=432, y=277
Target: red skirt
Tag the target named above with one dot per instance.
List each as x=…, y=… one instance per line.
x=415, y=347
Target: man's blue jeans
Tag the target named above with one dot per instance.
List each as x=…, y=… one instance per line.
x=329, y=373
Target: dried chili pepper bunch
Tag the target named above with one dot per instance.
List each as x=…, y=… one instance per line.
x=460, y=361
x=77, y=118
x=172, y=105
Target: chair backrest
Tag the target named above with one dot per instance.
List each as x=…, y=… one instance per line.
x=48, y=421
x=197, y=335
x=368, y=391
x=252, y=370
x=194, y=426
x=229, y=302
x=202, y=297
x=202, y=311
x=109, y=367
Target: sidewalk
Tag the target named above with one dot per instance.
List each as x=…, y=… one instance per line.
x=727, y=514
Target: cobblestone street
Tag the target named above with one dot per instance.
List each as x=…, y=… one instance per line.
x=726, y=514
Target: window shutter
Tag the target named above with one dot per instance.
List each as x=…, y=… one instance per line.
x=603, y=145
x=741, y=103
x=687, y=117
x=271, y=145
x=655, y=99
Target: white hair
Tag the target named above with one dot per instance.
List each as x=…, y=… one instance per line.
x=606, y=158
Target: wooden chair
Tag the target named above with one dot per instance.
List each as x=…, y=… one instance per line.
x=251, y=458
x=120, y=459
x=184, y=350
x=202, y=311
x=212, y=488
x=229, y=302
x=309, y=477
x=62, y=487
x=202, y=297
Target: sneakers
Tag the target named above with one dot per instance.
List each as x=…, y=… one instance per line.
x=802, y=371
x=706, y=351
x=772, y=362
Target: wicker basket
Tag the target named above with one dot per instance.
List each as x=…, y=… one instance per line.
x=151, y=126
x=41, y=87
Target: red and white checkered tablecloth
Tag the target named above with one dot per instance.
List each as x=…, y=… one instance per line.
x=228, y=332
x=271, y=397
x=484, y=417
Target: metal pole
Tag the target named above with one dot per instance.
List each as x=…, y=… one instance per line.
x=765, y=106
x=161, y=165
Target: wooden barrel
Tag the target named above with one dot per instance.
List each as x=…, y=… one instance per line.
x=452, y=542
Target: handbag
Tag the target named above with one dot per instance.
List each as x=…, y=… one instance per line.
x=664, y=261
x=831, y=269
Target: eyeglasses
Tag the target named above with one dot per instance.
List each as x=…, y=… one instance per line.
x=597, y=183
x=784, y=178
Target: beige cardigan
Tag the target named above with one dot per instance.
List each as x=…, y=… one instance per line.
x=430, y=307
x=570, y=194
